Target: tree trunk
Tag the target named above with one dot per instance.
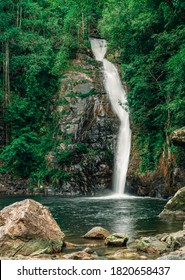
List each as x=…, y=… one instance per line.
x=19, y=16
x=83, y=25
x=169, y=159
x=6, y=85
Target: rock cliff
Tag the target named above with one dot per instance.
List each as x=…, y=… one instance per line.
x=86, y=131
x=165, y=179
x=86, y=136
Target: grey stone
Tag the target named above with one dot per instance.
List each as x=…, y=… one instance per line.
x=83, y=88
x=89, y=120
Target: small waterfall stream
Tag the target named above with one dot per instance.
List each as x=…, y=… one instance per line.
x=117, y=97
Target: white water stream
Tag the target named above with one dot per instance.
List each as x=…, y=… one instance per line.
x=117, y=96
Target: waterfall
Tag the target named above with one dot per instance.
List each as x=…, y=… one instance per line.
x=118, y=100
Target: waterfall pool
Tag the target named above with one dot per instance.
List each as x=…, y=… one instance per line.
x=76, y=215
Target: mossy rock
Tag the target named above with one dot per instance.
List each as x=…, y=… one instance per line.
x=151, y=245
x=117, y=239
x=175, y=207
x=177, y=202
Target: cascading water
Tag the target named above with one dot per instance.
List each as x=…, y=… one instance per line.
x=117, y=96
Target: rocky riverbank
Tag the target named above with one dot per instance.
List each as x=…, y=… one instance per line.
x=28, y=231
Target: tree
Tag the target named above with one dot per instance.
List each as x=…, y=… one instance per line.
x=149, y=36
x=38, y=40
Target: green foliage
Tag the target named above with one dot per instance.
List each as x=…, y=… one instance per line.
x=149, y=37
x=23, y=155
x=81, y=148
x=61, y=60
x=64, y=156
x=37, y=41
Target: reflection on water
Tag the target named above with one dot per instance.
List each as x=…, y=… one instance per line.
x=77, y=215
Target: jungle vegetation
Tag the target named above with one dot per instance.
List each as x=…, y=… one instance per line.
x=40, y=38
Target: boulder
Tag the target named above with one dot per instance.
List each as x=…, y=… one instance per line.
x=150, y=245
x=178, y=137
x=116, y=239
x=175, y=207
x=28, y=228
x=97, y=233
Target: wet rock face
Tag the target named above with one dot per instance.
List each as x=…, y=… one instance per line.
x=87, y=131
x=175, y=207
x=161, y=182
x=27, y=228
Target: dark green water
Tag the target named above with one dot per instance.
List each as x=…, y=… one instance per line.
x=76, y=215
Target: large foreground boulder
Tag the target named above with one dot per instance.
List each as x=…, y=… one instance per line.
x=26, y=228
x=175, y=207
